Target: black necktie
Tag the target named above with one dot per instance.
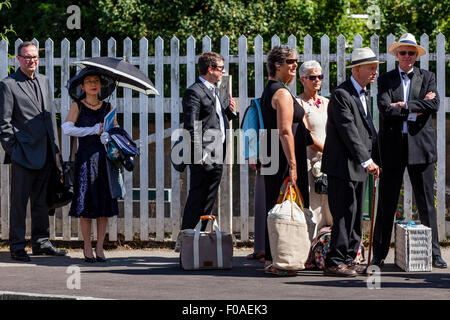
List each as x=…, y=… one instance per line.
x=409, y=75
x=368, y=115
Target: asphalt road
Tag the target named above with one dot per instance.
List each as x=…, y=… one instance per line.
x=156, y=275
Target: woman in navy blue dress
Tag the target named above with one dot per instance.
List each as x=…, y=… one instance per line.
x=92, y=197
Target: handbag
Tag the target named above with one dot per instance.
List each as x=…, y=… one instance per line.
x=68, y=168
x=289, y=236
x=321, y=184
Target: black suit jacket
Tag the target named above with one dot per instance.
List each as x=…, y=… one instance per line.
x=199, y=104
x=25, y=128
x=421, y=133
x=351, y=137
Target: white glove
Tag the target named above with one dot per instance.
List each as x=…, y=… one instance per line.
x=105, y=138
x=68, y=128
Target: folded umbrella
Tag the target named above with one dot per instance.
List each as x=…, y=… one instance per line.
x=124, y=74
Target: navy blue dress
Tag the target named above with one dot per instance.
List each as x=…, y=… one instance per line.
x=91, y=194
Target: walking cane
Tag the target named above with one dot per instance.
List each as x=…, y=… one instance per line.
x=374, y=210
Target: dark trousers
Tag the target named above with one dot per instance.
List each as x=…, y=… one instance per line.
x=346, y=199
x=27, y=184
x=422, y=181
x=204, y=184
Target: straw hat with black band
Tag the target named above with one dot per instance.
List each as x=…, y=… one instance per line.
x=406, y=40
x=362, y=56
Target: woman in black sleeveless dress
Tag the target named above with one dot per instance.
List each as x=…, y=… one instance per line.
x=281, y=111
x=92, y=197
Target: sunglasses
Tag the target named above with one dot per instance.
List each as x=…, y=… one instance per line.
x=410, y=53
x=290, y=61
x=312, y=78
x=220, y=68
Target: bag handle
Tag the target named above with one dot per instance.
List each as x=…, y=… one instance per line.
x=197, y=239
x=300, y=198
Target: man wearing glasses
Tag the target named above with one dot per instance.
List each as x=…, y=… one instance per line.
x=29, y=136
x=407, y=100
x=204, y=111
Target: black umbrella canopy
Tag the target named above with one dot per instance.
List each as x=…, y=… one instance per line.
x=125, y=74
x=75, y=91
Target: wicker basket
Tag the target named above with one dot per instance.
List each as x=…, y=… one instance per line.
x=413, y=247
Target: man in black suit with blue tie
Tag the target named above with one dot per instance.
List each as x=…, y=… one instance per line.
x=350, y=153
x=206, y=118
x=407, y=100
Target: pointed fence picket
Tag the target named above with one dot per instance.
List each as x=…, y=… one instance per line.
x=144, y=213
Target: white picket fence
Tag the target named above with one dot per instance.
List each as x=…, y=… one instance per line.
x=141, y=228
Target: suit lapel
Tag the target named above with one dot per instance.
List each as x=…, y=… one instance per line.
x=397, y=93
x=415, y=85
x=207, y=91
x=366, y=119
x=43, y=88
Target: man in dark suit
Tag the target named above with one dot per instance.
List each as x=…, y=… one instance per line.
x=28, y=135
x=350, y=153
x=206, y=118
x=407, y=100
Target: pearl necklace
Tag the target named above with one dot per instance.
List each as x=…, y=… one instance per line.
x=92, y=105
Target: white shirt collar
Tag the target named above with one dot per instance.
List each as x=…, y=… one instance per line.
x=208, y=84
x=356, y=85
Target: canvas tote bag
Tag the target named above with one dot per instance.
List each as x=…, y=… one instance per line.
x=206, y=250
x=288, y=234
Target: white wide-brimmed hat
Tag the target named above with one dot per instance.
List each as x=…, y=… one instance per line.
x=407, y=40
x=362, y=56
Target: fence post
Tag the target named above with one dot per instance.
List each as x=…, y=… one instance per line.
x=175, y=204
x=65, y=104
x=112, y=221
x=243, y=92
x=159, y=122
x=340, y=59
x=325, y=63
x=441, y=136
x=128, y=125
x=225, y=199
x=143, y=146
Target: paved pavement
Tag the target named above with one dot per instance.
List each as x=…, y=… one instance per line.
x=156, y=275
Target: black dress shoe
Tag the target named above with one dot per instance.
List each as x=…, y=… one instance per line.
x=438, y=262
x=48, y=249
x=20, y=255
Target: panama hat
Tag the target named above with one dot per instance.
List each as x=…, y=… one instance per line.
x=361, y=56
x=407, y=40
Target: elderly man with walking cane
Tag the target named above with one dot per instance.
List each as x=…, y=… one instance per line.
x=350, y=153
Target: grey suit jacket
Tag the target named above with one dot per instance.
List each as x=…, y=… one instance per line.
x=24, y=127
x=351, y=138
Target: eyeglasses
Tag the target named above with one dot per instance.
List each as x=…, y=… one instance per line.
x=290, y=61
x=220, y=68
x=312, y=78
x=410, y=53
x=29, y=58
